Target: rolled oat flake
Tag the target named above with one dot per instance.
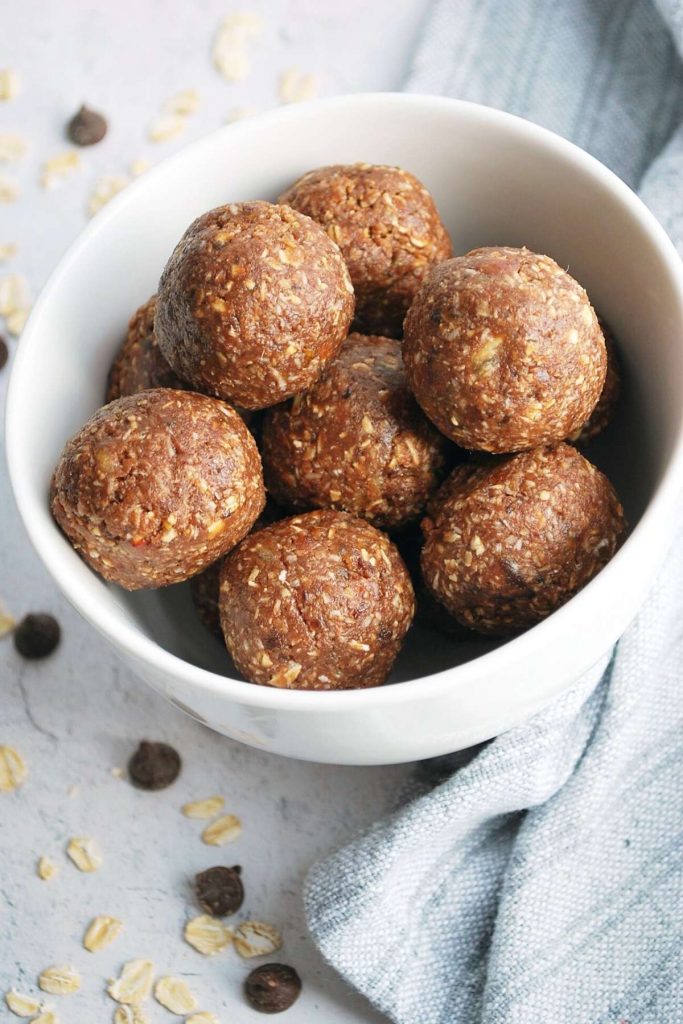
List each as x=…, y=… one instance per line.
x=272, y=988
x=86, y=127
x=37, y=635
x=219, y=890
x=154, y=765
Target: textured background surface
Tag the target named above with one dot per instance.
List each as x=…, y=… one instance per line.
x=78, y=714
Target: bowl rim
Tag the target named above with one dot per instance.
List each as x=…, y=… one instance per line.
x=130, y=639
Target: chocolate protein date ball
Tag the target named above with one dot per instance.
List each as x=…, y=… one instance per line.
x=356, y=441
x=139, y=364
x=388, y=229
x=157, y=486
x=253, y=303
x=603, y=412
x=320, y=601
x=504, y=351
x=507, y=544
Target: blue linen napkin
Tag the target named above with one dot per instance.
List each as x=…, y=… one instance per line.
x=539, y=880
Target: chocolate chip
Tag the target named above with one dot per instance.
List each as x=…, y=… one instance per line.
x=37, y=635
x=219, y=890
x=86, y=127
x=154, y=765
x=272, y=988
x=4, y=352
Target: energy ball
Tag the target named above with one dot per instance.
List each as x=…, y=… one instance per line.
x=157, y=486
x=357, y=441
x=139, y=364
x=320, y=601
x=604, y=410
x=253, y=303
x=386, y=224
x=507, y=544
x=504, y=351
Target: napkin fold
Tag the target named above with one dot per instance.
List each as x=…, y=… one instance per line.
x=539, y=878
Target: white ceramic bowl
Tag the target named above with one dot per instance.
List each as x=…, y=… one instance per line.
x=496, y=180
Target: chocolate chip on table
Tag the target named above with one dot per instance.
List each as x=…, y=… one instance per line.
x=272, y=988
x=4, y=352
x=154, y=765
x=86, y=127
x=37, y=635
x=219, y=890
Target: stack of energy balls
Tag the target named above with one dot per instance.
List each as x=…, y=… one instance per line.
x=439, y=428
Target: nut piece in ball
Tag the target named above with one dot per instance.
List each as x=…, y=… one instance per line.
x=507, y=544
x=386, y=224
x=253, y=303
x=504, y=351
x=357, y=441
x=157, y=486
x=320, y=601
x=139, y=364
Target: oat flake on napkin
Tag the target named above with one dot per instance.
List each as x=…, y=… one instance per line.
x=540, y=880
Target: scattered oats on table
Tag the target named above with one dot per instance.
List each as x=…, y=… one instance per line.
x=46, y=1017
x=14, y=293
x=13, y=770
x=256, y=938
x=10, y=84
x=130, y=1014
x=134, y=983
x=139, y=166
x=57, y=168
x=8, y=251
x=12, y=146
x=165, y=127
x=183, y=103
x=175, y=995
x=101, y=932
x=9, y=189
x=60, y=981
x=47, y=869
x=203, y=1017
x=230, y=56
x=207, y=934
x=85, y=853
x=223, y=830
x=7, y=622
x=22, y=1005
x=16, y=321
x=296, y=86
x=207, y=808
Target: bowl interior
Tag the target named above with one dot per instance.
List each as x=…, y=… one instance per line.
x=496, y=180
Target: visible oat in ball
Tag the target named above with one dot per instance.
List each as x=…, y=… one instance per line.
x=157, y=486
x=357, y=441
x=386, y=224
x=253, y=303
x=507, y=544
x=139, y=364
x=320, y=601
x=504, y=351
